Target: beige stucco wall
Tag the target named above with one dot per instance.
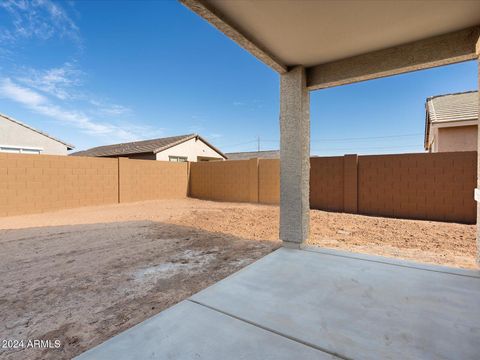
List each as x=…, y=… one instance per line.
x=462, y=138
x=192, y=149
x=15, y=135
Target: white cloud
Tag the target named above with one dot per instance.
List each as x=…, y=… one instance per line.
x=41, y=19
x=108, y=109
x=20, y=94
x=65, y=83
x=59, y=92
x=41, y=105
x=60, y=82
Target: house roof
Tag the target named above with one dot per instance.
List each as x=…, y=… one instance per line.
x=453, y=107
x=266, y=154
x=69, y=146
x=144, y=146
x=450, y=108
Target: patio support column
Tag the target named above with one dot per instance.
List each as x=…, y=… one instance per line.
x=294, y=158
x=477, y=191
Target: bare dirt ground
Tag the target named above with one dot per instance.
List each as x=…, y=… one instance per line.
x=84, y=275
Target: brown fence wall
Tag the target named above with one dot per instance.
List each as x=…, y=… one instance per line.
x=148, y=180
x=437, y=186
x=37, y=183
x=326, y=183
x=235, y=180
x=269, y=181
x=420, y=186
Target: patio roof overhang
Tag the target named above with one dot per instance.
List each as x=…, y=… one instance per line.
x=340, y=42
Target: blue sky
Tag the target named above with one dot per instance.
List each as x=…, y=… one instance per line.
x=94, y=73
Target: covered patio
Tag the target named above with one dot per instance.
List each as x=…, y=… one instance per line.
x=303, y=302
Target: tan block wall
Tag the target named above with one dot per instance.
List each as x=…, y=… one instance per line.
x=225, y=180
x=327, y=183
x=435, y=186
x=149, y=180
x=269, y=181
x=37, y=183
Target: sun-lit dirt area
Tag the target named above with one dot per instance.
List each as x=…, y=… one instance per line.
x=84, y=275
x=441, y=243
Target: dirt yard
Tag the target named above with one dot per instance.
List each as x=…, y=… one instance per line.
x=83, y=275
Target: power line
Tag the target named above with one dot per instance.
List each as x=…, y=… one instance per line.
x=369, y=137
x=242, y=143
x=258, y=142
x=356, y=138
x=370, y=147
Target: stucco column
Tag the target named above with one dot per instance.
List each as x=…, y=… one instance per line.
x=294, y=158
x=477, y=191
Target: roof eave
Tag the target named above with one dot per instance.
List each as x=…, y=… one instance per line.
x=69, y=146
x=193, y=136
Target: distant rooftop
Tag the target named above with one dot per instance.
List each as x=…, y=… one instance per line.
x=139, y=147
x=449, y=108
x=267, y=154
x=69, y=146
x=453, y=107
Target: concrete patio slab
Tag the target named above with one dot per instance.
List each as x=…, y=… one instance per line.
x=356, y=308
x=191, y=331
x=316, y=304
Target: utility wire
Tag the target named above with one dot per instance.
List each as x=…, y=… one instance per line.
x=356, y=138
x=258, y=141
x=369, y=147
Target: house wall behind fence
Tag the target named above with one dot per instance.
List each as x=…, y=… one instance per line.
x=148, y=180
x=37, y=183
x=435, y=186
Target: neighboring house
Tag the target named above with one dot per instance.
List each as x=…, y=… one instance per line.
x=17, y=137
x=451, y=122
x=267, y=154
x=190, y=147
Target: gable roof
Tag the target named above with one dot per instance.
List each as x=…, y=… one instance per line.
x=450, y=108
x=69, y=146
x=266, y=154
x=144, y=146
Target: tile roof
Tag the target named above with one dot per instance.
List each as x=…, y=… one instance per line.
x=136, y=147
x=268, y=154
x=143, y=146
x=453, y=107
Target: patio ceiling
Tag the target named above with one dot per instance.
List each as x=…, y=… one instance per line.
x=346, y=41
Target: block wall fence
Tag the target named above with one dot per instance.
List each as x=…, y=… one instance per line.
x=437, y=186
x=39, y=183
x=426, y=186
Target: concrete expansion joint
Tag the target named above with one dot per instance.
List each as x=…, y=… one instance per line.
x=271, y=330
